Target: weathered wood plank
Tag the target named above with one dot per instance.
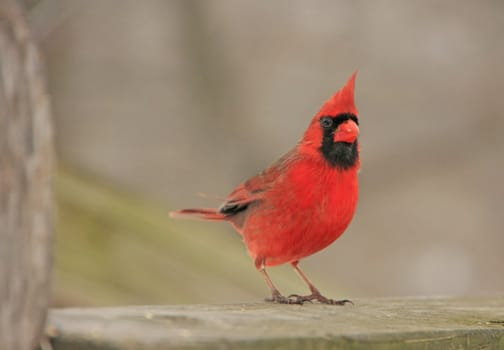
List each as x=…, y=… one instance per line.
x=384, y=324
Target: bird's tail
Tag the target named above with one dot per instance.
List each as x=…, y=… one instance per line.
x=201, y=214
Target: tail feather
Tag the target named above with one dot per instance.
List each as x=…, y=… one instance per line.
x=201, y=214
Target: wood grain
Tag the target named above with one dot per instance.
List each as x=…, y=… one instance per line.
x=377, y=324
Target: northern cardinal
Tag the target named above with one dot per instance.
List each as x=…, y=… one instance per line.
x=304, y=201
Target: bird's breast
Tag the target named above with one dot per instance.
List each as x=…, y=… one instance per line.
x=303, y=213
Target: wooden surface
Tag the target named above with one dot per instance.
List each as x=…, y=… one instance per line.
x=26, y=208
x=476, y=323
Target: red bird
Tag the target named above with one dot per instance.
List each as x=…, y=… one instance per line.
x=304, y=201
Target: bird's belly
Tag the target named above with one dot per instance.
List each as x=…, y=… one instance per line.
x=280, y=236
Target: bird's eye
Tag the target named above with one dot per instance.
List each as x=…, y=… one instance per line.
x=326, y=122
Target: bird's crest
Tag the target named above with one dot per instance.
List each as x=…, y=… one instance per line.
x=342, y=102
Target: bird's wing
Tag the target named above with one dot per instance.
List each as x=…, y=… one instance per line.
x=254, y=188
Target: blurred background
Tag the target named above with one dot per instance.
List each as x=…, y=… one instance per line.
x=156, y=101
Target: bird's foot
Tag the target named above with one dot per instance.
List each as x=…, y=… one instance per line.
x=300, y=299
x=276, y=297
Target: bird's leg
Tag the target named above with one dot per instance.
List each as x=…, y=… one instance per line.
x=315, y=294
x=276, y=296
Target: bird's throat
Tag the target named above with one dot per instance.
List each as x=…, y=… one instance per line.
x=342, y=155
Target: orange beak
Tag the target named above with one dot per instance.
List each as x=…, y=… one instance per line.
x=347, y=132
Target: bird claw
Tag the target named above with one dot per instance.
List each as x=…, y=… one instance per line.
x=320, y=298
x=301, y=299
x=280, y=299
x=340, y=302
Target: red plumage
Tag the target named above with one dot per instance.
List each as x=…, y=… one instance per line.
x=304, y=201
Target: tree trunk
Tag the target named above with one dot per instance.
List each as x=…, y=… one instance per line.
x=26, y=208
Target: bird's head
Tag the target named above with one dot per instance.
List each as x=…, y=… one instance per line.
x=334, y=130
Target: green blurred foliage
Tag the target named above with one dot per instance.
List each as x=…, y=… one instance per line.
x=114, y=248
